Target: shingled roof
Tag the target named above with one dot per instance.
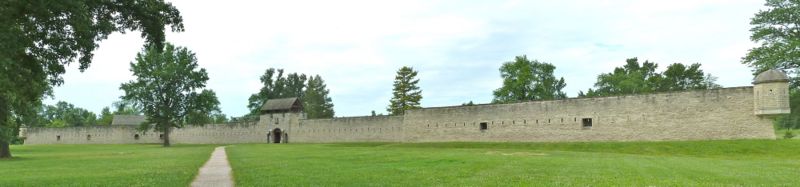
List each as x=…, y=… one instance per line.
x=282, y=105
x=128, y=119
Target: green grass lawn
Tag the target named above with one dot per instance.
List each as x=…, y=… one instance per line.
x=696, y=163
x=103, y=165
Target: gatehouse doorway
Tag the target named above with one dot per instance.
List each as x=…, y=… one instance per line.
x=276, y=135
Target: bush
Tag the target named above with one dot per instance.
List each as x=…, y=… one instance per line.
x=17, y=141
x=788, y=134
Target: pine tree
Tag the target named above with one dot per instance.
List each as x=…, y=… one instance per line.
x=406, y=93
x=316, y=101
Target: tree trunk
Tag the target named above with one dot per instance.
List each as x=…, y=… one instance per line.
x=5, y=151
x=166, y=137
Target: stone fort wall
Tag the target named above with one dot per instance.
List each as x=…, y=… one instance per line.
x=726, y=113
x=351, y=129
x=692, y=115
x=206, y=134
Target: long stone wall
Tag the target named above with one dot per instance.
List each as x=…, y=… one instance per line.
x=206, y=134
x=726, y=113
x=692, y=115
x=351, y=129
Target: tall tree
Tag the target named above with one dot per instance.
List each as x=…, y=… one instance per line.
x=39, y=38
x=106, y=117
x=276, y=86
x=71, y=115
x=168, y=88
x=405, y=94
x=126, y=107
x=316, y=102
x=218, y=118
x=63, y=114
x=629, y=79
x=526, y=80
x=681, y=77
x=776, y=30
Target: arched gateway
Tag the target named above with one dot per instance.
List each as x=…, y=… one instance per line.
x=276, y=135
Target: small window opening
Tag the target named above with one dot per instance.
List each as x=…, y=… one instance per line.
x=548, y=120
x=136, y=137
x=58, y=138
x=161, y=136
x=484, y=126
x=587, y=123
x=562, y=120
x=575, y=119
x=89, y=137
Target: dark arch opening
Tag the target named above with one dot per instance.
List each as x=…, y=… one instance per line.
x=136, y=137
x=276, y=135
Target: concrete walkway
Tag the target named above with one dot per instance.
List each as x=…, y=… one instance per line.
x=216, y=172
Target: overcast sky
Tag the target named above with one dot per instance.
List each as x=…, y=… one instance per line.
x=457, y=46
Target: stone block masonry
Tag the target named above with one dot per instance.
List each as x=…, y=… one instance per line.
x=726, y=113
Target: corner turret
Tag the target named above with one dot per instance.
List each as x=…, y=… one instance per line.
x=771, y=93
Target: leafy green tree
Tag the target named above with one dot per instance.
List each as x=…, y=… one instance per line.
x=168, y=88
x=123, y=107
x=628, y=79
x=106, y=117
x=293, y=85
x=680, y=77
x=526, y=80
x=405, y=94
x=218, y=117
x=276, y=86
x=39, y=38
x=316, y=102
x=64, y=114
x=777, y=32
x=636, y=78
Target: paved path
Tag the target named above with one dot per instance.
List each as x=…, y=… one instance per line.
x=216, y=172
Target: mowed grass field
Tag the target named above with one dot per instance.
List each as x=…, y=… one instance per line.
x=692, y=163
x=688, y=163
x=103, y=165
